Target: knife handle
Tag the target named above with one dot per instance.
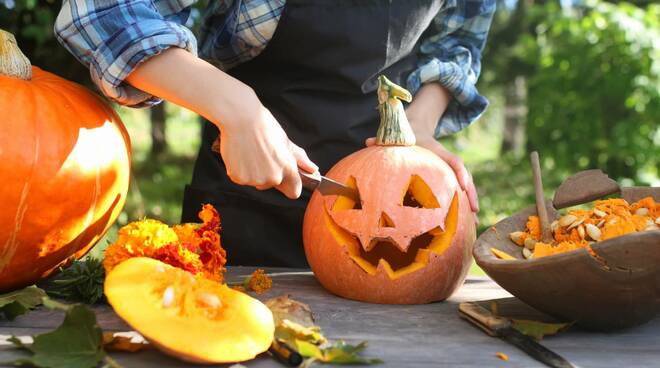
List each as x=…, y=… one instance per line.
x=309, y=181
x=483, y=318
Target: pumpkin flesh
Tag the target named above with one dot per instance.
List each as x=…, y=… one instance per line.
x=192, y=318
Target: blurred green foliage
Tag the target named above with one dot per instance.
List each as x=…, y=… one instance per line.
x=594, y=95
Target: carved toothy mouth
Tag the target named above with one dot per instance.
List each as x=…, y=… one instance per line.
x=386, y=254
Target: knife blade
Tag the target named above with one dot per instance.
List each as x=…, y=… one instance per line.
x=327, y=186
x=502, y=328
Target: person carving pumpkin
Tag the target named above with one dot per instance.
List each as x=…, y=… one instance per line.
x=287, y=84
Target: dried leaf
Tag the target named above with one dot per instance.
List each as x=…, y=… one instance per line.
x=18, y=302
x=538, y=329
x=290, y=332
x=130, y=342
x=337, y=353
x=294, y=325
x=284, y=307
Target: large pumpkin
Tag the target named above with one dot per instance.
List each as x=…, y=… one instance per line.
x=409, y=240
x=64, y=164
x=192, y=318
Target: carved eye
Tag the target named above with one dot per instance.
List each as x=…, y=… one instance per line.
x=419, y=195
x=345, y=203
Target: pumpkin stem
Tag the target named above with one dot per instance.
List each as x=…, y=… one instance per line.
x=13, y=63
x=394, y=129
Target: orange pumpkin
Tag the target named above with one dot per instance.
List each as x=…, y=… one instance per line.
x=410, y=239
x=64, y=163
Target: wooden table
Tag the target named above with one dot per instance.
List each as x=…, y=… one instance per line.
x=403, y=336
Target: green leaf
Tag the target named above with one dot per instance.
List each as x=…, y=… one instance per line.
x=537, y=329
x=76, y=343
x=19, y=302
x=337, y=353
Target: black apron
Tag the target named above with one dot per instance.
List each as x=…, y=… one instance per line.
x=318, y=77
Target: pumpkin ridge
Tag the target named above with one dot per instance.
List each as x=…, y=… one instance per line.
x=10, y=247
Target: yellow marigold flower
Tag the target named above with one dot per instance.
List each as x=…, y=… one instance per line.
x=139, y=238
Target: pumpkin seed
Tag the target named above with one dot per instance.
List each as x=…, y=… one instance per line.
x=652, y=227
x=657, y=221
x=593, y=232
x=567, y=220
x=601, y=223
x=168, y=296
x=527, y=253
x=599, y=213
x=517, y=236
x=209, y=300
x=554, y=225
x=576, y=224
x=581, y=231
x=530, y=243
x=643, y=211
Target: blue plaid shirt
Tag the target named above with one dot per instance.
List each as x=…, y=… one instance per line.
x=113, y=36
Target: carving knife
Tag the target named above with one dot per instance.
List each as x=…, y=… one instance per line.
x=502, y=328
x=327, y=186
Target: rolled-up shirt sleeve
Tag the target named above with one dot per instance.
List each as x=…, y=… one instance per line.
x=112, y=37
x=451, y=56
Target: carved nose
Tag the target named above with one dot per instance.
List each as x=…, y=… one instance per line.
x=385, y=221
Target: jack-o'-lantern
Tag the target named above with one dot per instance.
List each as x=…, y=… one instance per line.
x=409, y=240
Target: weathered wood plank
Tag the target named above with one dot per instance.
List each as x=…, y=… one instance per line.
x=403, y=336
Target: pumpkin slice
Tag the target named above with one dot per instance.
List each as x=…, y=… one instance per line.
x=191, y=318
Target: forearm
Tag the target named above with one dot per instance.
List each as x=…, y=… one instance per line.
x=186, y=80
x=427, y=108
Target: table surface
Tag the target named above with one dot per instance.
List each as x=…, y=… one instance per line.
x=402, y=336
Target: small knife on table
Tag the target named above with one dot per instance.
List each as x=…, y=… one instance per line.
x=502, y=328
x=327, y=186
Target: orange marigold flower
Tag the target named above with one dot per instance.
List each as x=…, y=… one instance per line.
x=258, y=281
x=195, y=248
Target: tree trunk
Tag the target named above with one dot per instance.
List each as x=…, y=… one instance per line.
x=515, y=115
x=158, y=120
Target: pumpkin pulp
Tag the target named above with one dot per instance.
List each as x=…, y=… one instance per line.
x=192, y=318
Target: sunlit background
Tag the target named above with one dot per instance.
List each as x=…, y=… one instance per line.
x=577, y=81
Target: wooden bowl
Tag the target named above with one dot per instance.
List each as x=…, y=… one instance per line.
x=618, y=288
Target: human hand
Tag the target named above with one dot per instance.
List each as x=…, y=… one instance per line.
x=257, y=151
x=454, y=161
x=253, y=145
x=423, y=113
